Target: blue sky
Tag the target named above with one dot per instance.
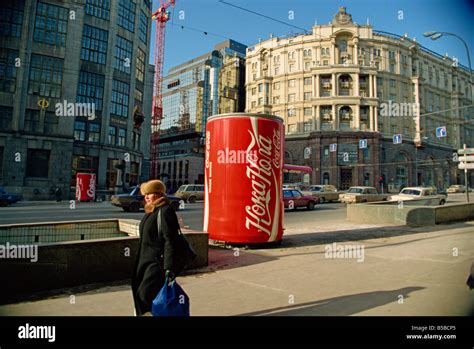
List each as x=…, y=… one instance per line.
x=221, y=21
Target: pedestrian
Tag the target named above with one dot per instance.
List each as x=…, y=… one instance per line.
x=159, y=252
x=58, y=193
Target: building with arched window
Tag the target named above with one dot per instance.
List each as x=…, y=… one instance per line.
x=345, y=82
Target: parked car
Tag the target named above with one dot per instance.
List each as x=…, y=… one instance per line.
x=293, y=198
x=457, y=188
x=8, y=198
x=190, y=192
x=134, y=201
x=361, y=195
x=324, y=192
x=412, y=193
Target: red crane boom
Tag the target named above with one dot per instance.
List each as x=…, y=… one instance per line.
x=161, y=16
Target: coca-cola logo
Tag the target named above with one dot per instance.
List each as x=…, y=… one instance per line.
x=91, y=190
x=262, y=174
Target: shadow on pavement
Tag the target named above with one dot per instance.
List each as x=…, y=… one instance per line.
x=340, y=306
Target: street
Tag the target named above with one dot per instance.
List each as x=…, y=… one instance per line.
x=190, y=217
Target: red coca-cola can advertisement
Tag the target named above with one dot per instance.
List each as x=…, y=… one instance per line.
x=85, y=186
x=243, y=178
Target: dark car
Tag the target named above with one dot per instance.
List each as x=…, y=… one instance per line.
x=293, y=199
x=133, y=201
x=7, y=198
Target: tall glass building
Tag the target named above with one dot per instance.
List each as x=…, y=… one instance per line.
x=75, y=93
x=209, y=84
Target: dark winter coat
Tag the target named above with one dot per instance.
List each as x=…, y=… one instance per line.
x=157, y=253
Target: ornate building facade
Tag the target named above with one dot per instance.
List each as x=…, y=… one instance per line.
x=360, y=104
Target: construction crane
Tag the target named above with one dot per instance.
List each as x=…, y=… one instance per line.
x=161, y=16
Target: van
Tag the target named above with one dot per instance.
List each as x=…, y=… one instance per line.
x=190, y=192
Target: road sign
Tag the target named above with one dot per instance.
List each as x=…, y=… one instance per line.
x=362, y=143
x=441, y=131
x=333, y=147
x=397, y=139
x=464, y=166
x=307, y=152
x=467, y=158
x=466, y=151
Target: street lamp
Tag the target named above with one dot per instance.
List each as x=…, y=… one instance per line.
x=433, y=35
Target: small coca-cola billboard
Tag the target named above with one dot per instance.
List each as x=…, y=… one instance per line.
x=243, y=178
x=85, y=186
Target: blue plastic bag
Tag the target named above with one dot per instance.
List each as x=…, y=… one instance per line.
x=170, y=301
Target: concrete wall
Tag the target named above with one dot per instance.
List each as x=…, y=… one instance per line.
x=413, y=213
x=69, y=264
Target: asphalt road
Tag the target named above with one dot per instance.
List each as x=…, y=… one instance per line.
x=191, y=216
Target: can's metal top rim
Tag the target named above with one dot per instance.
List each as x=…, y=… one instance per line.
x=242, y=115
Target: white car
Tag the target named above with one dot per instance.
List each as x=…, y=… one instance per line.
x=413, y=193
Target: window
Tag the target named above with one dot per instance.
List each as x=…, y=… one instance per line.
x=11, y=19
x=143, y=27
x=276, y=71
x=120, y=93
x=307, y=81
x=91, y=89
x=308, y=111
x=8, y=70
x=254, y=90
x=123, y=54
x=260, y=88
x=140, y=68
x=325, y=62
x=138, y=97
x=122, y=137
x=276, y=99
x=6, y=116
x=291, y=83
x=37, y=163
x=80, y=131
x=111, y=135
x=291, y=68
x=126, y=15
x=32, y=121
x=94, y=44
x=45, y=76
x=291, y=97
x=260, y=101
x=307, y=96
x=98, y=8
x=291, y=112
x=292, y=128
x=94, y=133
x=392, y=68
x=393, y=83
x=276, y=86
x=51, y=121
x=308, y=126
x=50, y=24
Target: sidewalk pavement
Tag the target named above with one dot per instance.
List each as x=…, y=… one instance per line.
x=403, y=271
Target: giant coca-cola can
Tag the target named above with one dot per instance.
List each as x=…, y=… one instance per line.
x=243, y=178
x=85, y=186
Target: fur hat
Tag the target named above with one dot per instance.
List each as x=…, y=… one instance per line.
x=153, y=186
